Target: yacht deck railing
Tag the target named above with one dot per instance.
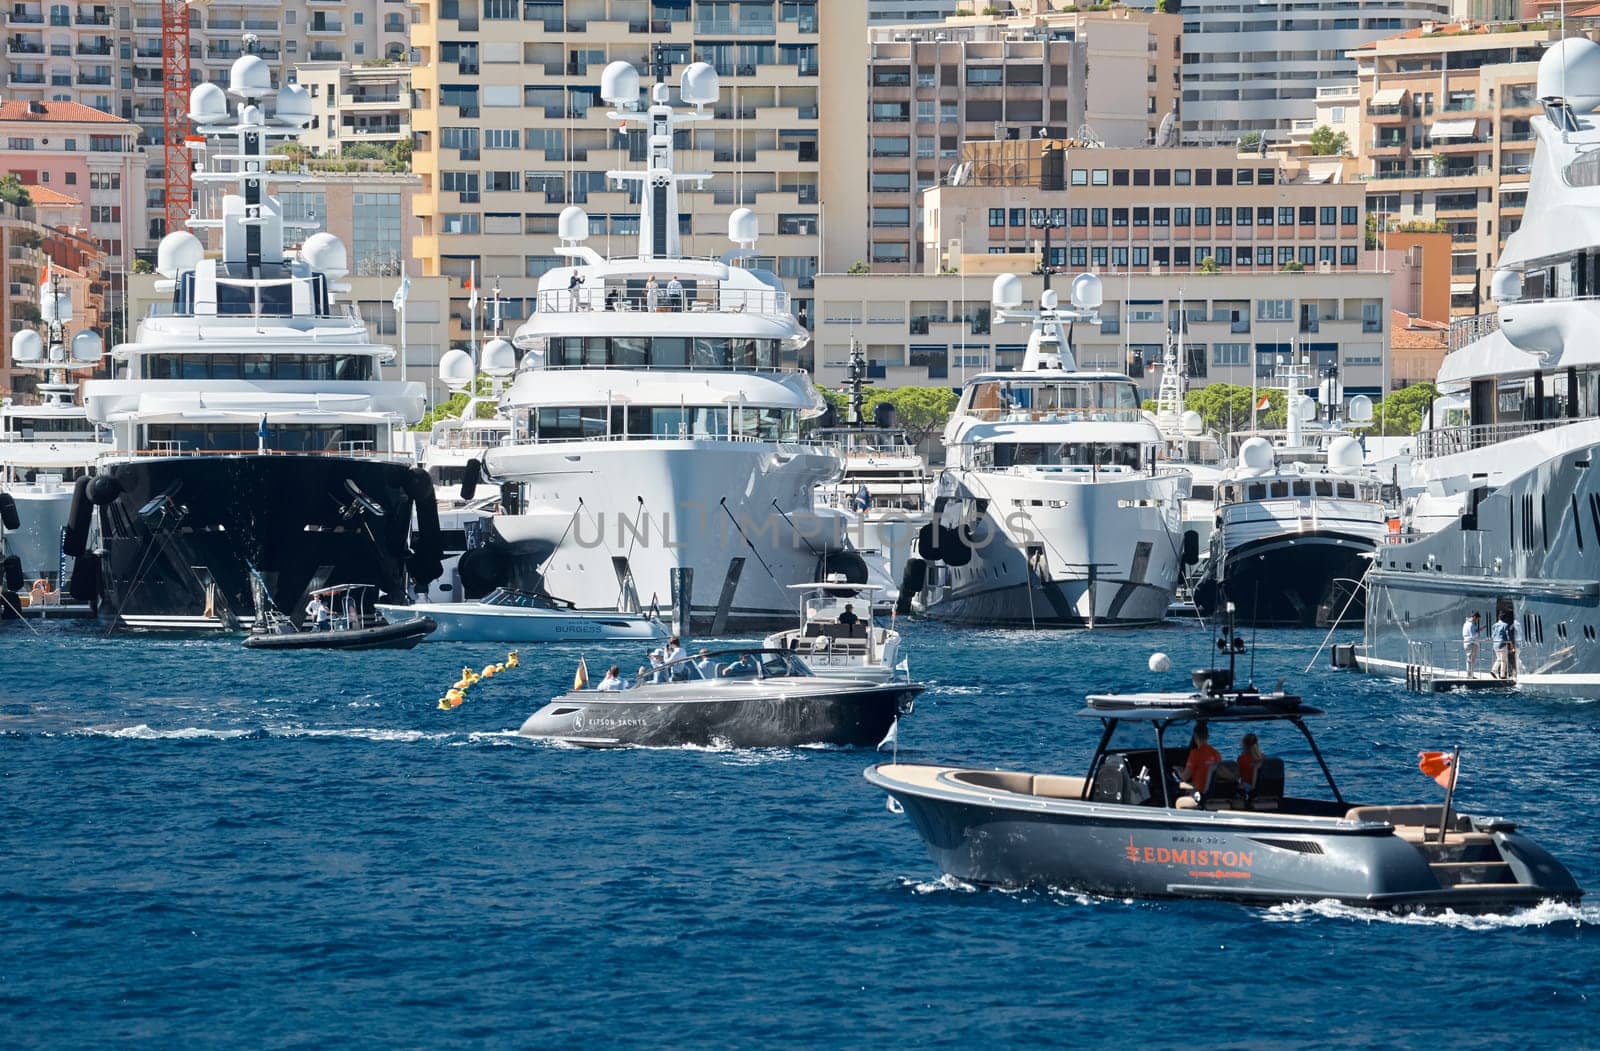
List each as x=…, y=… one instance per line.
x=1446, y=441
x=1056, y=415
x=661, y=301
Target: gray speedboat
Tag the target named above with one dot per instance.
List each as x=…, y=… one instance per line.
x=743, y=698
x=1115, y=832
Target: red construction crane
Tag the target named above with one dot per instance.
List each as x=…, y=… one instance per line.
x=177, y=174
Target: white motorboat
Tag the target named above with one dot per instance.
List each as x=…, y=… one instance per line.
x=509, y=615
x=855, y=648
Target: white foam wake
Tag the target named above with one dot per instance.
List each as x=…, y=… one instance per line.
x=1544, y=914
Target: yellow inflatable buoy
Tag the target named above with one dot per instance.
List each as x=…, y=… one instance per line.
x=498, y=668
x=488, y=673
x=511, y=659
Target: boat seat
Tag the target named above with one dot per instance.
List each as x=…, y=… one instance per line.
x=1412, y=822
x=1267, y=792
x=1056, y=786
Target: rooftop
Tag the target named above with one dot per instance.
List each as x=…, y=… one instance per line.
x=45, y=197
x=1414, y=333
x=70, y=112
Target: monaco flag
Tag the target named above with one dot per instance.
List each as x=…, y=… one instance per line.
x=1441, y=766
x=1264, y=404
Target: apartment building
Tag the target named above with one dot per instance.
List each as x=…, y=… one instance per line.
x=1147, y=210
x=938, y=329
x=1256, y=65
x=1446, y=142
x=1107, y=75
x=353, y=105
x=905, y=12
x=509, y=129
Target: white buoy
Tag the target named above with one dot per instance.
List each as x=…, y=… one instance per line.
x=1160, y=663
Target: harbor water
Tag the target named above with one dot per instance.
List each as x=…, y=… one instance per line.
x=205, y=846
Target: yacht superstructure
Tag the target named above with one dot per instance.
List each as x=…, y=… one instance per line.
x=257, y=444
x=656, y=456
x=1052, y=509
x=1519, y=468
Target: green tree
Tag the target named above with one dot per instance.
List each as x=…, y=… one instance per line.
x=1209, y=265
x=142, y=266
x=13, y=192
x=859, y=267
x=1403, y=412
x=1250, y=140
x=452, y=407
x=921, y=411
x=1225, y=407
x=1293, y=266
x=1325, y=142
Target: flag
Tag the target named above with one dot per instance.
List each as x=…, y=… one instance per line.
x=581, y=679
x=48, y=276
x=1264, y=404
x=1440, y=766
x=472, y=290
x=401, y=293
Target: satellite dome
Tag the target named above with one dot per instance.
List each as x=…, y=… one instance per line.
x=1255, y=455
x=1087, y=293
x=55, y=303
x=87, y=347
x=619, y=84
x=1048, y=299
x=1360, y=409
x=455, y=369
x=207, y=104
x=249, y=77
x=294, y=106
x=326, y=253
x=1344, y=453
x=743, y=227
x=573, y=225
x=177, y=252
x=27, y=347
x=1570, y=69
x=1505, y=286
x=499, y=358
x=1007, y=294
x=1193, y=423
x=699, y=85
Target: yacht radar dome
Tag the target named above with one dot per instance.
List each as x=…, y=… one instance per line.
x=1193, y=423
x=699, y=86
x=1344, y=453
x=499, y=357
x=1007, y=294
x=27, y=347
x=619, y=84
x=1360, y=409
x=1570, y=70
x=455, y=369
x=293, y=106
x=1087, y=293
x=1255, y=455
x=326, y=253
x=1505, y=286
x=1305, y=409
x=573, y=225
x=744, y=229
x=1048, y=299
x=249, y=78
x=208, y=105
x=179, y=251
x=87, y=347
x=54, y=305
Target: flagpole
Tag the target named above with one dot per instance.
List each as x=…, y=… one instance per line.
x=1449, y=793
x=401, y=320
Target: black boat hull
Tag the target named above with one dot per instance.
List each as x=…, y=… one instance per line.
x=401, y=636
x=178, y=542
x=1294, y=580
x=854, y=715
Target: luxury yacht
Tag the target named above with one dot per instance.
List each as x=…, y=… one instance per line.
x=656, y=456
x=256, y=441
x=45, y=449
x=448, y=454
x=1052, y=510
x=1519, y=467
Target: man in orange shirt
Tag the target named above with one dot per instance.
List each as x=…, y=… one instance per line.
x=1202, y=759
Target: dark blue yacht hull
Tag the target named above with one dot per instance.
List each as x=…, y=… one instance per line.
x=177, y=538
x=1292, y=580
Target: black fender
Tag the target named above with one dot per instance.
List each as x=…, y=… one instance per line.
x=103, y=489
x=8, y=512
x=848, y=563
x=471, y=478
x=483, y=569
x=911, y=580
x=13, y=573
x=85, y=585
x=77, y=539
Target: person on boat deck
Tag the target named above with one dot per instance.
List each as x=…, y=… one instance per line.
x=705, y=665
x=1249, y=761
x=673, y=651
x=674, y=293
x=317, y=613
x=863, y=498
x=642, y=676
x=744, y=667
x=656, y=674
x=613, y=294
x=1505, y=646
x=848, y=618
x=1202, y=759
x=1471, y=634
x=613, y=680
x=652, y=295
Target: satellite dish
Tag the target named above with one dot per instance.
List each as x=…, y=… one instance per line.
x=294, y=106
x=619, y=84
x=1256, y=455
x=1344, y=453
x=573, y=225
x=1193, y=423
x=499, y=358
x=325, y=253
x=699, y=85
x=208, y=105
x=178, y=251
x=743, y=227
x=456, y=369
x=1360, y=409
x=87, y=347
x=1087, y=293
x=27, y=347
x=1007, y=294
x=1570, y=69
x=1048, y=299
x=249, y=78
x=1306, y=409
x=1505, y=286
x=55, y=304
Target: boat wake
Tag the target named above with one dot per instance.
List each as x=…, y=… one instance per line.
x=1545, y=914
x=948, y=884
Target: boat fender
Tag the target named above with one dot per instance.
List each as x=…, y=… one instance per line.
x=849, y=564
x=482, y=570
x=8, y=512
x=427, y=550
x=911, y=580
x=103, y=489
x=417, y=484
x=469, y=481
x=13, y=573
x=77, y=538
x=953, y=547
x=927, y=544
x=85, y=583
x=1191, y=547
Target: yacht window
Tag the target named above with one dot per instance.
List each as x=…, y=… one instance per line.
x=1302, y=488
x=1324, y=487
x=670, y=353
x=1202, y=492
x=1347, y=491
x=572, y=423
x=1066, y=454
x=1280, y=489
x=257, y=367
x=630, y=351
x=232, y=437
x=1257, y=491
x=225, y=367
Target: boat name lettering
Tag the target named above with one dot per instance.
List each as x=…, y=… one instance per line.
x=603, y=722
x=1217, y=864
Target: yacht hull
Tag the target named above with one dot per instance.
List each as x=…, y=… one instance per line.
x=185, y=562
x=42, y=515
x=984, y=834
x=1294, y=580
x=474, y=622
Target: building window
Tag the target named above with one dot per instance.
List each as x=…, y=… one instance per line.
x=891, y=217
x=1286, y=215
x=1347, y=255
x=1274, y=309
x=1224, y=216
x=1141, y=217
x=1163, y=216
x=1230, y=354
x=1097, y=217
x=1141, y=256
x=1225, y=255
x=997, y=217
x=1079, y=256
x=1308, y=215
x=1326, y=214
x=1119, y=217
x=1349, y=215
x=1080, y=176
x=1180, y=177
x=1019, y=217
x=1100, y=177
x=1097, y=256
x=1180, y=217
x=1119, y=257
x=1078, y=217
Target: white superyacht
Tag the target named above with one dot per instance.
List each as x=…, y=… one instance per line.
x=656, y=459
x=1052, y=510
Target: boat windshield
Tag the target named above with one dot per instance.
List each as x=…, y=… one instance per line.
x=512, y=597
x=733, y=664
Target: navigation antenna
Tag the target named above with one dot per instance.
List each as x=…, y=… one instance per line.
x=855, y=380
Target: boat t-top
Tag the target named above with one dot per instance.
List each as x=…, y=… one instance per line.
x=839, y=636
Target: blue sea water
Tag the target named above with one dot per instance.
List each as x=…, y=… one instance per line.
x=204, y=846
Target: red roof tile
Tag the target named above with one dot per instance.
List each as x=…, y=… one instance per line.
x=44, y=195
x=76, y=112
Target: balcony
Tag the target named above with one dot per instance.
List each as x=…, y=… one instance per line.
x=325, y=25
x=17, y=77
x=95, y=80
x=27, y=18
x=1460, y=106
x=99, y=16
x=18, y=46
x=735, y=26
x=102, y=49
x=333, y=54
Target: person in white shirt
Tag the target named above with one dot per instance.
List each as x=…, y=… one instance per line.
x=1471, y=636
x=705, y=665
x=317, y=613
x=674, y=294
x=613, y=680
x=673, y=651
x=656, y=672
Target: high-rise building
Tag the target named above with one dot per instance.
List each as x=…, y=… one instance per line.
x=356, y=105
x=1445, y=140
x=509, y=129
x=1257, y=66
x=1110, y=76
x=906, y=12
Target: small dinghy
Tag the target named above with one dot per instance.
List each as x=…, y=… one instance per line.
x=349, y=626
x=510, y=615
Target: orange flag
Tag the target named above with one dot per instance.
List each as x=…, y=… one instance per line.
x=1438, y=765
x=580, y=679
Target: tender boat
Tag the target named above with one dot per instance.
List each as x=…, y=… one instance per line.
x=863, y=650
x=350, y=626
x=509, y=615
x=1129, y=827
x=750, y=698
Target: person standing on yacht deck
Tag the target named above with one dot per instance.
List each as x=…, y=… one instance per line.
x=1471, y=635
x=317, y=613
x=674, y=293
x=613, y=680
x=1505, y=646
x=652, y=295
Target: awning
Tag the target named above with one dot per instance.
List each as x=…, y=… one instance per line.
x=1388, y=97
x=1453, y=129
x=1321, y=173
x=1461, y=288
x=1520, y=186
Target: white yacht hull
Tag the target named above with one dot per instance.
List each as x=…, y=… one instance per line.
x=1054, y=553
x=42, y=515
x=608, y=523
x=475, y=622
